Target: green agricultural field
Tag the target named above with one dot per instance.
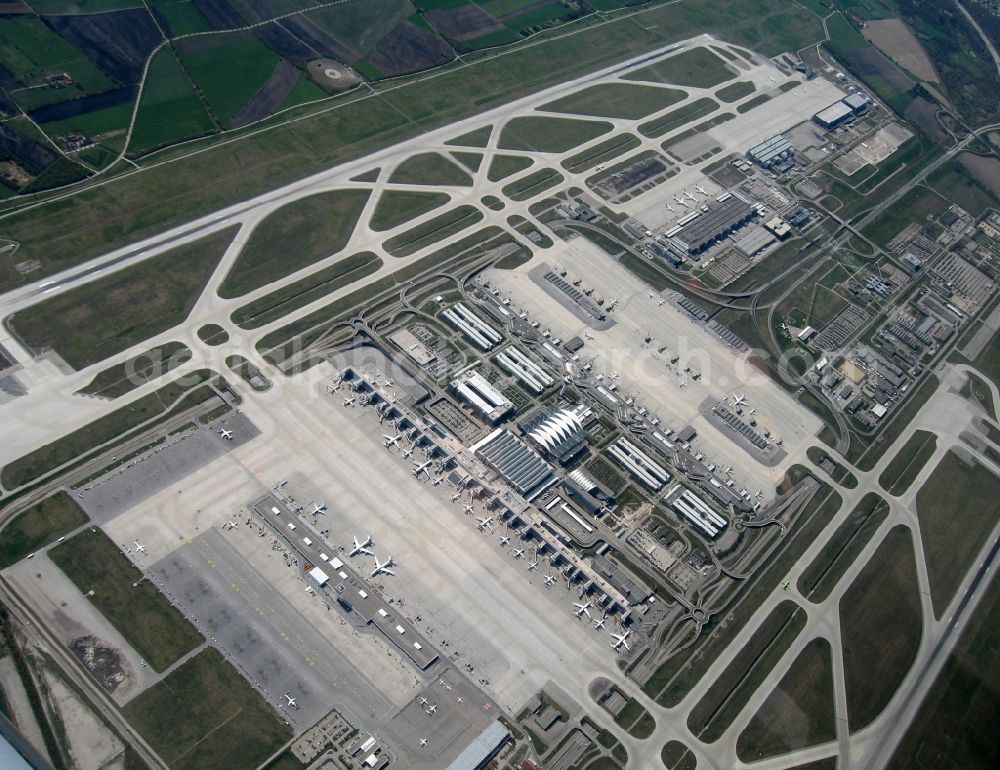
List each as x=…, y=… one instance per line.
x=117, y=380
x=105, y=429
x=313, y=287
x=216, y=718
x=822, y=575
x=914, y=206
x=170, y=109
x=695, y=68
x=30, y=50
x=735, y=92
x=295, y=236
x=616, y=100
x=430, y=168
x=675, y=119
x=880, y=621
x=542, y=134
x=727, y=696
x=533, y=184
x=957, y=510
x=955, y=727
x=39, y=525
x=432, y=231
x=908, y=462
x=600, y=153
x=505, y=165
x=182, y=16
x=229, y=72
x=143, y=616
x=359, y=26
x=798, y=712
x=140, y=205
x=100, y=125
x=111, y=314
x=397, y=207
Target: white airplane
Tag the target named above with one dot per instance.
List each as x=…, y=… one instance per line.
x=599, y=624
x=431, y=709
x=419, y=468
x=680, y=201
x=486, y=523
x=752, y=412
x=454, y=497
x=291, y=701
x=518, y=553
x=424, y=701
x=700, y=189
x=786, y=585
x=362, y=547
x=582, y=609
x=437, y=480
x=690, y=196
x=407, y=453
x=140, y=547
x=226, y=434
x=391, y=441
x=469, y=509
x=739, y=399
x=550, y=580
x=619, y=641
x=318, y=508
x=387, y=383
x=383, y=567
x=504, y=539
x=349, y=401
x=669, y=207
x=423, y=742
x=533, y=564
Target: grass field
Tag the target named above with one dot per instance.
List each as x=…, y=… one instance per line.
x=735, y=92
x=479, y=137
x=915, y=206
x=432, y=231
x=616, y=100
x=723, y=701
x=798, y=712
x=505, y=165
x=228, y=73
x=880, y=621
x=908, y=462
x=213, y=335
x=635, y=720
x=293, y=237
x=108, y=315
x=143, y=616
x=430, y=168
x=170, y=109
x=840, y=474
x=543, y=134
x=696, y=68
x=822, y=575
x=216, y=718
x=32, y=465
x=977, y=390
x=134, y=207
x=957, y=510
x=955, y=727
x=676, y=756
x=125, y=377
x=314, y=286
x=39, y=525
x=397, y=207
x=471, y=160
x=679, y=117
x=600, y=153
x=532, y=184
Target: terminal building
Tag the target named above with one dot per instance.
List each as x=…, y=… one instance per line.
x=523, y=470
x=771, y=151
x=715, y=221
x=516, y=363
x=475, y=390
x=475, y=329
x=483, y=748
x=558, y=433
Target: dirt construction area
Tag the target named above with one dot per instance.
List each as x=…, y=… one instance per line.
x=896, y=41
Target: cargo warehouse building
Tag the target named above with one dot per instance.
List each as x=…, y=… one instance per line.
x=723, y=216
